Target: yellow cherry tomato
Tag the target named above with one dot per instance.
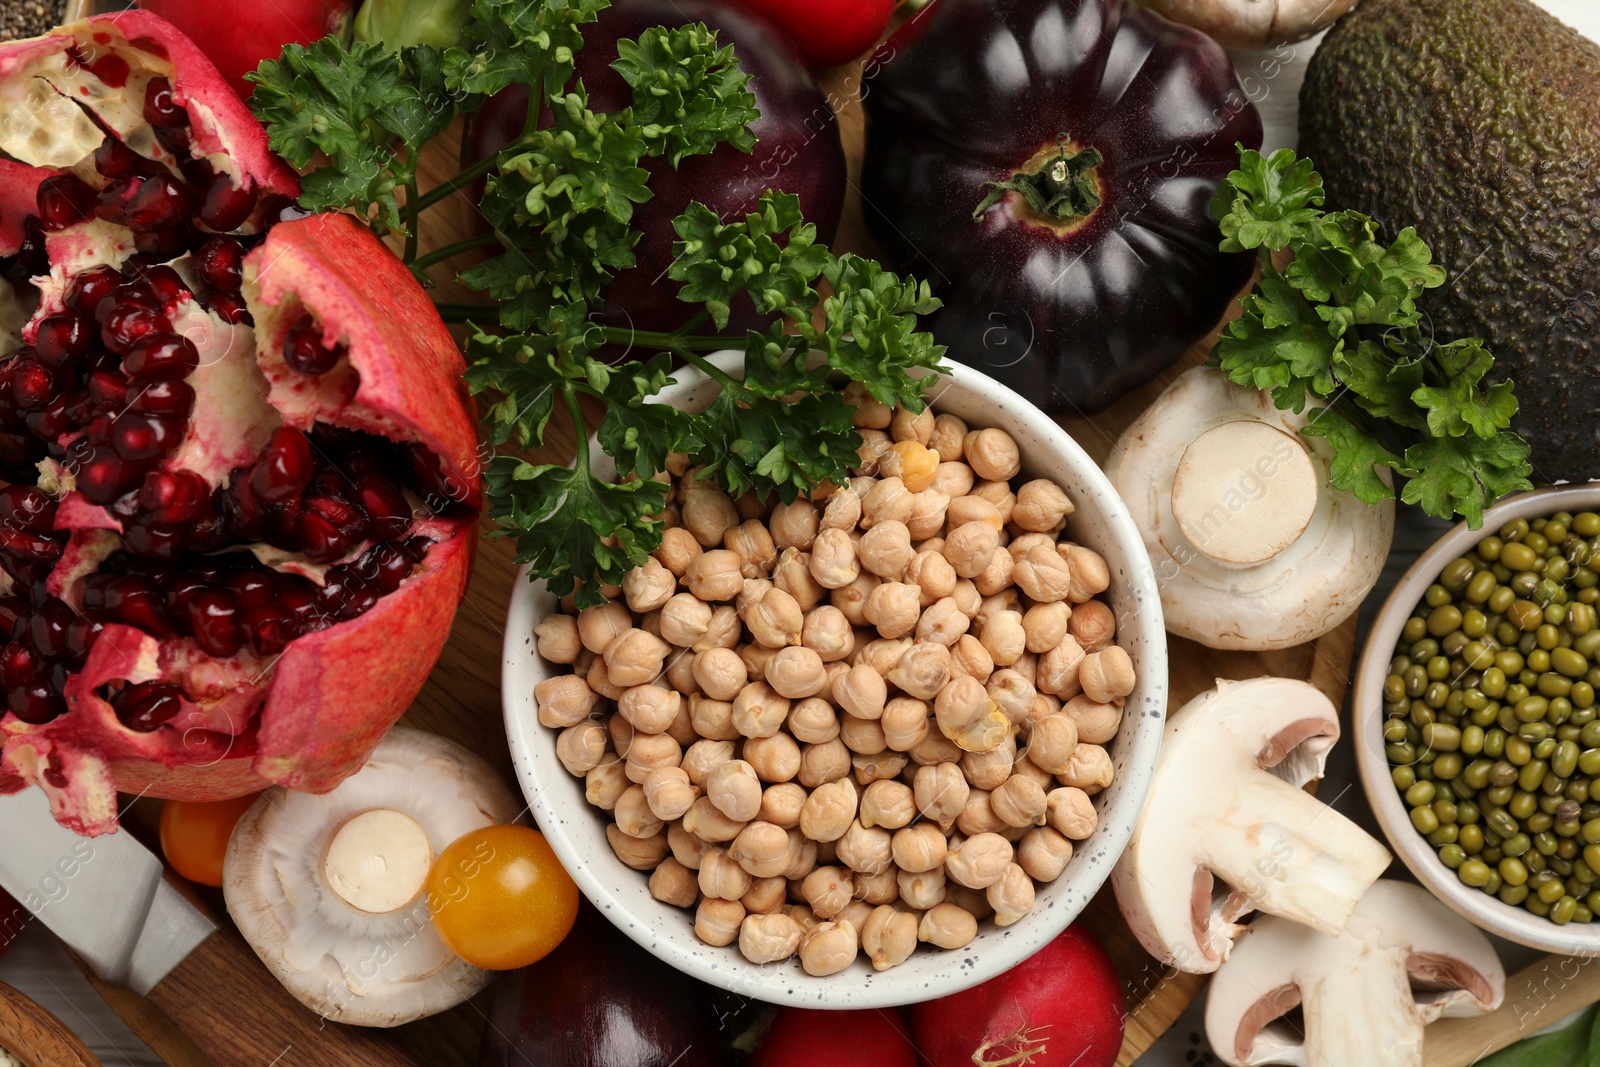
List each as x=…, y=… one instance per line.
x=194, y=835
x=500, y=899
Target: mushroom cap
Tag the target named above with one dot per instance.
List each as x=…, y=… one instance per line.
x=1296, y=595
x=1399, y=940
x=1227, y=803
x=1254, y=23
x=349, y=965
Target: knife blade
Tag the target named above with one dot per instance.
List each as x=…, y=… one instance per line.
x=108, y=898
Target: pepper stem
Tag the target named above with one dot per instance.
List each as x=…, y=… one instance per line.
x=1060, y=189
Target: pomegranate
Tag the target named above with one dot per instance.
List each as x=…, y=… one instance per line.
x=238, y=37
x=241, y=461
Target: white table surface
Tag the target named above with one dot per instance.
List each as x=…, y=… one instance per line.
x=37, y=965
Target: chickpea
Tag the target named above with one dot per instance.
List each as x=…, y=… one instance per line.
x=705, y=820
x=712, y=719
x=1027, y=665
x=828, y=633
x=865, y=849
x=705, y=756
x=648, y=752
x=908, y=425
x=802, y=855
x=1107, y=676
x=967, y=716
x=622, y=734
x=722, y=877
x=1058, y=670
x=796, y=672
x=993, y=454
x=1093, y=624
x=1012, y=896
x=773, y=616
x=953, y=479
x=875, y=444
x=1043, y=853
x=862, y=736
x=775, y=758
x=1089, y=769
x=752, y=542
x=766, y=896
x=828, y=890
x=843, y=510
x=914, y=464
x=1004, y=637
x=1045, y=625
x=887, y=804
x=947, y=926
x=997, y=576
x=581, y=747
x=649, y=708
x=973, y=508
x=1052, y=742
x=669, y=793
x=606, y=782
x=687, y=849
x=877, y=767
x=1019, y=801
x=724, y=630
x=735, y=789
x=934, y=750
x=970, y=547
x=947, y=436
x=905, y=723
x=870, y=413
x=558, y=638
x=720, y=673
x=978, y=816
x=673, y=883
x=761, y=850
x=851, y=598
x=974, y=902
x=564, y=700
x=813, y=721
x=1097, y=723
x=714, y=575
x=882, y=654
x=888, y=500
x=829, y=811
x=678, y=549
x=889, y=937
x=922, y=889
x=979, y=861
x=893, y=608
x=633, y=814
x=597, y=626
x=1090, y=574
x=1071, y=813
x=768, y=938
x=822, y=763
x=966, y=596
x=649, y=585
x=759, y=710
x=640, y=853
x=795, y=525
x=1012, y=694
x=717, y=921
x=708, y=512
x=828, y=948
x=792, y=575
x=986, y=770
x=599, y=678
x=923, y=670
x=861, y=692
x=932, y=574
x=941, y=793
x=1021, y=544
x=781, y=804
x=885, y=550
x=1042, y=505
x=927, y=516
x=834, y=562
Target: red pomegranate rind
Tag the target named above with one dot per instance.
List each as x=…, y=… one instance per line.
x=365, y=298
x=42, y=77
x=19, y=187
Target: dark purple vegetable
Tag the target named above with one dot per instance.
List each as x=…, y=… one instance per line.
x=599, y=1000
x=1095, y=264
x=797, y=149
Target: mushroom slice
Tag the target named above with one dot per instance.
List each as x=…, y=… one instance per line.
x=1403, y=960
x=1226, y=804
x=1252, y=546
x=331, y=889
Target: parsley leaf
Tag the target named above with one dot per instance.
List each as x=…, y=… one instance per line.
x=1272, y=203
x=1357, y=456
x=688, y=96
x=1460, y=475
x=770, y=255
x=520, y=42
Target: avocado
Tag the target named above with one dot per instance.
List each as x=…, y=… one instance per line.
x=1478, y=122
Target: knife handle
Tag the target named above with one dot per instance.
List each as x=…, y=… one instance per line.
x=227, y=1002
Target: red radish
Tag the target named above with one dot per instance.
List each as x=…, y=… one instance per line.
x=1061, y=1007
x=805, y=1037
x=240, y=37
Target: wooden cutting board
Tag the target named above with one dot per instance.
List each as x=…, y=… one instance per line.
x=462, y=697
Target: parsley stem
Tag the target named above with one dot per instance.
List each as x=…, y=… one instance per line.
x=580, y=429
x=624, y=335
x=467, y=176
x=693, y=324
x=439, y=255
x=411, y=218
x=466, y=312
x=711, y=370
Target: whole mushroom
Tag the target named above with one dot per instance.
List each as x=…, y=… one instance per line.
x=1254, y=23
x=1403, y=960
x=1253, y=547
x=330, y=890
x=1226, y=803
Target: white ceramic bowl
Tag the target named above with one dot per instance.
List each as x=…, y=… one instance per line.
x=1512, y=923
x=576, y=830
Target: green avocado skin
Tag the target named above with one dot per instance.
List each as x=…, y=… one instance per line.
x=1478, y=122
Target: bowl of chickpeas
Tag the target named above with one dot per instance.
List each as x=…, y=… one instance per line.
x=867, y=748
x=1477, y=725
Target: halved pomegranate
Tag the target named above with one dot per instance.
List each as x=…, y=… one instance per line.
x=241, y=461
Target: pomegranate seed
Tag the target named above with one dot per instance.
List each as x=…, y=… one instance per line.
x=298, y=596
x=327, y=528
x=137, y=602
x=36, y=704
x=108, y=391
x=137, y=436
x=111, y=202
x=213, y=617
x=101, y=477
x=175, y=139
x=156, y=540
x=90, y=287
x=251, y=588
x=269, y=628
x=163, y=282
x=130, y=294
x=284, y=468
x=220, y=263
x=161, y=357
x=62, y=340
x=181, y=590
x=385, y=566
x=423, y=469
x=280, y=208
x=47, y=629
x=169, y=243
x=28, y=547
x=164, y=398
x=147, y=706
x=49, y=422
x=32, y=259
x=161, y=202
x=128, y=323
x=197, y=172
x=224, y=207
x=339, y=584
x=230, y=308
x=177, y=496
x=303, y=349
x=209, y=532
x=159, y=107
x=82, y=633
x=12, y=608
x=64, y=199
x=28, y=508
x=116, y=160
x=387, y=511
x=34, y=385
x=20, y=664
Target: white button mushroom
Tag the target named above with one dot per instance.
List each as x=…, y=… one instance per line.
x=330, y=889
x=1253, y=548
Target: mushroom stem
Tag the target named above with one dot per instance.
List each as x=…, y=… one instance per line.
x=378, y=860
x=1244, y=491
x=1363, y=1012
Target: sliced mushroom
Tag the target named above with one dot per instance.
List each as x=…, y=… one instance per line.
x=1403, y=960
x=330, y=889
x=1254, y=23
x=1252, y=546
x=1226, y=804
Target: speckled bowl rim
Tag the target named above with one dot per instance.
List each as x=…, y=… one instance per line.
x=621, y=894
x=1490, y=913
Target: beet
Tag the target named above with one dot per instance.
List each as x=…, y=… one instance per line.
x=797, y=150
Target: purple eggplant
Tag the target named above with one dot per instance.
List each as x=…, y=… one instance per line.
x=797, y=150
x=1048, y=166
x=599, y=1000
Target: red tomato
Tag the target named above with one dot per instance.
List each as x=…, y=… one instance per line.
x=237, y=37
x=1061, y=1007
x=194, y=836
x=804, y=1037
x=828, y=32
